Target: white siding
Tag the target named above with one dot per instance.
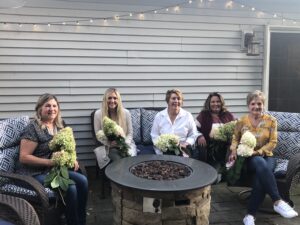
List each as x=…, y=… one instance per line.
x=196, y=50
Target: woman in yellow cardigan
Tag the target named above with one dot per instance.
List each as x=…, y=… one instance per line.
x=261, y=163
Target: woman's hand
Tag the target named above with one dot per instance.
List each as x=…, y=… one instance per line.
x=76, y=166
x=184, y=144
x=113, y=144
x=233, y=155
x=202, y=141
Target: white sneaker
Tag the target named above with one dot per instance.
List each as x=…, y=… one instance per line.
x=285, y=210
x=248, y=220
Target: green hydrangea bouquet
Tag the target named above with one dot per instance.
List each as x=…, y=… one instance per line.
x=168, y=144
x=64, y=156
x=245, y=149
x=113, y=132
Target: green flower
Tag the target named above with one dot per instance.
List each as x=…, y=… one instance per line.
x=64, y=156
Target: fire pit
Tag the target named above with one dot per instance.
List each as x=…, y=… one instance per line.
x=141, y=197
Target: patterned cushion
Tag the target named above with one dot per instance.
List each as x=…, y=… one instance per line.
x=8, y=159
x=287, y=121
x=147, y=122
x=24, y=193
x=136, y=125
x=288, y=144
x=281, y=168
x=11, y=130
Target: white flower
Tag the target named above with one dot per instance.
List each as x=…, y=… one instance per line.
x=247, y=144
x=215, y=130
x=168, y=142
x=101, y=137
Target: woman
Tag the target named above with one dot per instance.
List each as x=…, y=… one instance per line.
x=112, y=108
x=261, y=163
x=175, y=120
x=35, y=156
x=214, y=113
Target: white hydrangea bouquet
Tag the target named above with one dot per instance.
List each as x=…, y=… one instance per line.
x=113, y=132
x=168, y=144
x=245, y=149
x=64, y=156
x=220, y=138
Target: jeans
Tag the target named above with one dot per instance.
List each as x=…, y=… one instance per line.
x=76, y=198
x=263, y=182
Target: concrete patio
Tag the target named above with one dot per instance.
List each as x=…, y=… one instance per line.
x=226, y=208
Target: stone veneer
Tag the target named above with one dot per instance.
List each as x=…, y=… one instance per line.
x=177, y=208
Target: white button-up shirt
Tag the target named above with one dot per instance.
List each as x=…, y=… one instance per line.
x=184, y=127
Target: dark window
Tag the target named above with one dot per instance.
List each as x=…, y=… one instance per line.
x=284, y=80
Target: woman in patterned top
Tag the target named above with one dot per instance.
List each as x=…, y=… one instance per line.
x=261, y=163
x=35, y=156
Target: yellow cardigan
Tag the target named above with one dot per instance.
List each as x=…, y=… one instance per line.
x=265, y=133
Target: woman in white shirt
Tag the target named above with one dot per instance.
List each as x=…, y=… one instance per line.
x=175, y=120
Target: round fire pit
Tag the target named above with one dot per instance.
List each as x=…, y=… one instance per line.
x=157, y=198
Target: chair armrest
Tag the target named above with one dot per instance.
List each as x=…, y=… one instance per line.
x=293, y=168
x=20, y=207
x=28, y=181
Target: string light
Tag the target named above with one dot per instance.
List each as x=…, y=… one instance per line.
x=175, y=8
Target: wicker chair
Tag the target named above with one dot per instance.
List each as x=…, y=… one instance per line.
x=17, y=211
x=44, y=200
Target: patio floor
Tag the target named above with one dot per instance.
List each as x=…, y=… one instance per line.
x=226, y=209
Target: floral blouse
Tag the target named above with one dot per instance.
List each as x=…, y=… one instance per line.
x=35, y=133
x=265, y=133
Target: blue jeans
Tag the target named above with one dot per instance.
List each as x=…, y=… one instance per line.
x=76, y=198
x=263, y=182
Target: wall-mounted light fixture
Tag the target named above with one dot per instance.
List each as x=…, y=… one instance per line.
x=249, y=43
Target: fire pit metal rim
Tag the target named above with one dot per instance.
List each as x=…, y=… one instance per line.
x=202, y=174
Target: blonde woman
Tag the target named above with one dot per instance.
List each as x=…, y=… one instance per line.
x=112, y=107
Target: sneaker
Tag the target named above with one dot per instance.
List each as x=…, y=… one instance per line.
x=285, y=210
x=248, y=220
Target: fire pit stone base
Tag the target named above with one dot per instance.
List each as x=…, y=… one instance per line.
x=177, y=208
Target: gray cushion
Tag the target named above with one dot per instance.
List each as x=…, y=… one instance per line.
x=147, y=122
x=136, y=125
x=289, y=122
x=8, y=159
x=288, y=144
x=11, y=130
x=281, y=167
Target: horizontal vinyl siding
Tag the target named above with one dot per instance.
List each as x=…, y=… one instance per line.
x=196, y=50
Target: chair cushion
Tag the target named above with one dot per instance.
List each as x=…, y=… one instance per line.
x=281, y=168
x=147, y=122
x=11, y=130
x=25, y=193
x=8, y=159
x=289, y=122
x=288, y=144
x=136, y=125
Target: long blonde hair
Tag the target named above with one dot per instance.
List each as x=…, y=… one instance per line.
x=121, y=117
x=38, y=110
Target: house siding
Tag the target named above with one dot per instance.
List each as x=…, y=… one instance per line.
x=196, y=50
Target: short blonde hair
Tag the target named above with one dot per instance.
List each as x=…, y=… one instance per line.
x=173, y=91
x=257, y=94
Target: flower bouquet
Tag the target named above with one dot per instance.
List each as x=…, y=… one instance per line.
x=245, y=149
x=221, y=135
x=168, y=144
x=113, y=132
x=64, y=156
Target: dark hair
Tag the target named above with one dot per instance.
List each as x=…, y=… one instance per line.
x=206, y=106
x=173, y=91
x=38, y=108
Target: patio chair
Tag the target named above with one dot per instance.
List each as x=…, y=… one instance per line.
x=17, y=211
x=44, y=200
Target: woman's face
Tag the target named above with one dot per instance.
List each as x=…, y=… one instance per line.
x=256, y=107
x=175, y=102
x=49, y=110
x=112, y=100
x=215, y=104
